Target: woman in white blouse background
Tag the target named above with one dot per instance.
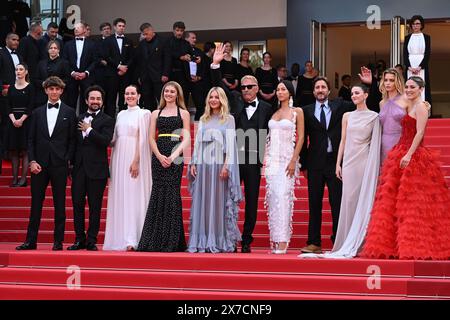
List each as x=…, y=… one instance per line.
x=416, y=54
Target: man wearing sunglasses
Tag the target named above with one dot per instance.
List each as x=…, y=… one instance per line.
x=252, y=117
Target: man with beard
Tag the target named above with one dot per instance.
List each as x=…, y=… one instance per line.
x=90, y=172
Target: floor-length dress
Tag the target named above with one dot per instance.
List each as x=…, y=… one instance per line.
x=391, y=116
x=360, y=171
x=280, y=187
x=128, y=197
x=163, y=228
x=215, y=202
x=411, y=214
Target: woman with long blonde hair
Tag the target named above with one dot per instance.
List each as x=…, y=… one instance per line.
x=163, y=228
x=392, y=109
x=214, y=180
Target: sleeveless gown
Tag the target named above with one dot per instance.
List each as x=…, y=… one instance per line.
x=280, y=187
x=391, y=116
x=163, y=228
x=411, y=214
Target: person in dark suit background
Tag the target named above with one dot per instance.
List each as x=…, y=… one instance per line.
x=6, y=23
x=50, y=34
x=294, y=79
x=29, y=48
x=323, y=127
x=52, y=64
x=195, y=73
x=250, y=114
x=119, y=57
x=152, y=66
x=345, y=91
x=80, y=53
x=179, y=50
x=20, y=12
x=102, y=66
x=51, y=145
x=90, y=171
x=9, y=59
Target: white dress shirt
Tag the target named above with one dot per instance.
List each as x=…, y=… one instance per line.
x=119, y=42
x=251, y=110
x=80, y=46
x=14, y=57
x=52, y=116
x=88, y=120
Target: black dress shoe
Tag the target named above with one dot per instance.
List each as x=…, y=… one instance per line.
x=246, y=248
x=22, y=184
x=57, y=246
x=91, y=247
x=77, y=246
x=27, y=246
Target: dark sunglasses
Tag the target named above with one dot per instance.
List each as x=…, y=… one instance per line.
x=248, y=87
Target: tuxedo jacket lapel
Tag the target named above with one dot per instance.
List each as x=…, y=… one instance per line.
x=44, y=122
x=59, y=120
x=334, y=117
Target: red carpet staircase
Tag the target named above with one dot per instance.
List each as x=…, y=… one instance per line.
x=43, y=274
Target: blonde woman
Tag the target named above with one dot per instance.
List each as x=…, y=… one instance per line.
x=392, y=109
x=214, y=180
x=163, y=228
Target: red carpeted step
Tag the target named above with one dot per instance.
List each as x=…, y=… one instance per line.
x=258, y=261
x=48, y=224
x=275, y=283
x=46, y=236
x=301, y=204
x=22, y=292
x=48, y=213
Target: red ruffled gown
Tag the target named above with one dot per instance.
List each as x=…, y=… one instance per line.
x=411, y=214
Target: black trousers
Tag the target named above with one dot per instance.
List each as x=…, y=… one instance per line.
x=83, y=186
x=197, y=91
x=77, y=89
x=251, y=176
x=151, y=93
x=58, y=178
x=115, y=85
x=316, y=187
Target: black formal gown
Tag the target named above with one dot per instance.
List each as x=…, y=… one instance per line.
x=268, y=81
x=163, y=228
x=243, y=71
x=20, y=102
x=229, y=70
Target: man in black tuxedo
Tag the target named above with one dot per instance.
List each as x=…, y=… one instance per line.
x=153, y=66
x=90, y=172
x=252, y=122
x=51, y=145
x=9, y=59
x=29, y=48
x=80, y=52
x=119, y=57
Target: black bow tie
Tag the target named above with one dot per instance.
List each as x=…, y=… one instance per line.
x=13, y=52
x=79, y=39
x=252, y=104
x=120, y=37
x=50, y=105
x=88, y=114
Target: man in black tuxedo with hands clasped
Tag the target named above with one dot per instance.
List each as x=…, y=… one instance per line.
x=90, y=171
x=51, y=144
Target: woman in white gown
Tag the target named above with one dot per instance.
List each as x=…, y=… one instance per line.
x=284, y=143
x=359, y=153
x=130, y=183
